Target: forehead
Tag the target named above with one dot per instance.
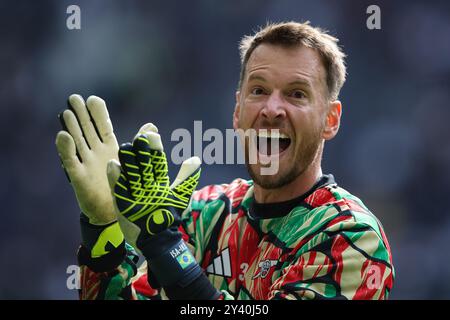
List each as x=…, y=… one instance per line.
x=287, y=62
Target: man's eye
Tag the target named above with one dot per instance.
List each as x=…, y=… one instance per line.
x=297, y=94
x=257, y=91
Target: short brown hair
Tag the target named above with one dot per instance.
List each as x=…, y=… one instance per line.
x=292, y=34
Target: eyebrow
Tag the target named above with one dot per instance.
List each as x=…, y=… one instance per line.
x=300, y=82
x=256, y=77
x=303, y=82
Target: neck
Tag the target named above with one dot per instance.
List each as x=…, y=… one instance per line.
x=300, y=185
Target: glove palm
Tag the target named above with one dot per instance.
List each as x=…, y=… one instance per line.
x=85, y=149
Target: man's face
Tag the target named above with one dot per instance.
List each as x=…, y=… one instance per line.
x=285, y=89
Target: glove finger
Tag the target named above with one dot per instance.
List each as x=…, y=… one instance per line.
x=187, y=179
x=188, y=168
x=119, y=186
x=100, y=119
x=75, y=131
x=61, y=121
x=84, y=119
x=142, y=150
x=127, y=158
x=64, y=127
x=67, y=152
x=158, y=158
x=146, y=128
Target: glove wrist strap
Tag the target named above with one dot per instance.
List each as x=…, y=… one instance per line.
x=100, y=240
x=176, y=265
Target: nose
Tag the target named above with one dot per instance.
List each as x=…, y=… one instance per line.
x=274, y=107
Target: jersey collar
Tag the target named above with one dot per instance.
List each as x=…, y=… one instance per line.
x=280, y=209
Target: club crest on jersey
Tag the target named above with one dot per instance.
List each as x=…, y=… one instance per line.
x=265, y=266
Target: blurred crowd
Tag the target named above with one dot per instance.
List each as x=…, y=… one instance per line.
x=174, y=62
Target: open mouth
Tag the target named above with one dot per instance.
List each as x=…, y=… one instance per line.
x=270, y=143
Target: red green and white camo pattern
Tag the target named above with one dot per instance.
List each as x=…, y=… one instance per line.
x=329, y=247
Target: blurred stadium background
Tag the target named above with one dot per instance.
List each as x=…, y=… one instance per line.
x=173, y=62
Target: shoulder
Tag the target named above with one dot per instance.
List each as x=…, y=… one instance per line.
x=336, y=222
x=343, y=212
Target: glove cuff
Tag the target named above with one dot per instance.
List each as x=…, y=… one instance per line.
x=104, y=263
x=169, y=259
x=153, y=246
x=100, y=240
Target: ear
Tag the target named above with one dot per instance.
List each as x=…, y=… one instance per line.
x=237, y=111
x=333, y=120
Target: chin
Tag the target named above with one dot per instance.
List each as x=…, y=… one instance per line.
x=270, y=181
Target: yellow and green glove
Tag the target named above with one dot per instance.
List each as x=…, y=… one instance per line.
x=147, y=200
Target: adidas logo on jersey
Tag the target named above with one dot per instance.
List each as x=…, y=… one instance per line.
x=221, y=265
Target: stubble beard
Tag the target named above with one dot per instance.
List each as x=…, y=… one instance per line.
x=305, y=156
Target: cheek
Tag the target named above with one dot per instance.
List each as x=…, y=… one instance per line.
x=248, y=115
x=307, y=125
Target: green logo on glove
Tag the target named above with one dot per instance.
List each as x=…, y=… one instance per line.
x=159, y=220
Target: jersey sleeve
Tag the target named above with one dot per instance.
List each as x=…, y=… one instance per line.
x=352, y=262
x=123, y=282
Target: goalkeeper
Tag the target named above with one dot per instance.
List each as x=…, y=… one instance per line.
x=294, y=234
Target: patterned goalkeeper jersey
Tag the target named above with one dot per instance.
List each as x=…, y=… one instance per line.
x=323, y=245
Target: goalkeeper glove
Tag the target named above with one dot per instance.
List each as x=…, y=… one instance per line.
x=146, y=200
x=85, y=147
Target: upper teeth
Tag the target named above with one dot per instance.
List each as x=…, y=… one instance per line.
x=272, y=133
